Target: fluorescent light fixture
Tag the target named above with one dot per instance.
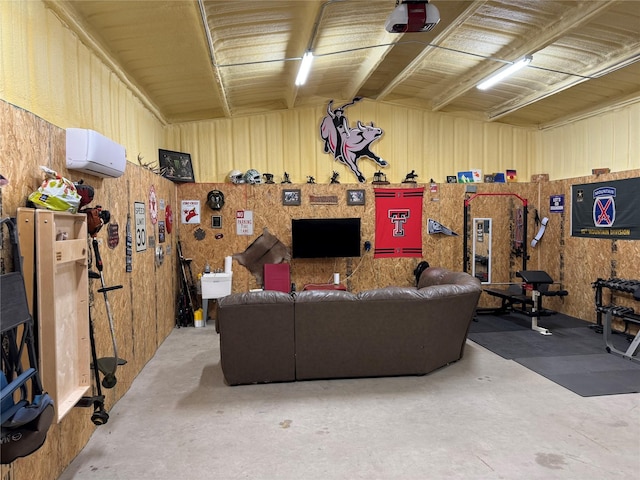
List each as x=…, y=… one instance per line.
x=505, y=72
x=305, y=67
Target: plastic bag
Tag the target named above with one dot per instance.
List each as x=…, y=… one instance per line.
x=56, y=193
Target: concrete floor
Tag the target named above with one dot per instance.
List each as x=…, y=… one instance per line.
x=483, y=417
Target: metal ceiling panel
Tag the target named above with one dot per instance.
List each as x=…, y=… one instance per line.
x=205, y=59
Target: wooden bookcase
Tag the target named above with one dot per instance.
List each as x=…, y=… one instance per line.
x=63, y=306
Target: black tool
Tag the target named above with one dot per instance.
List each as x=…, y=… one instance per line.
x=107, y=365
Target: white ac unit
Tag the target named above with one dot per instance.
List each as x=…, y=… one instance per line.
x=94, y=154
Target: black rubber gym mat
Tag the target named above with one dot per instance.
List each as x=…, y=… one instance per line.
x=574, y=356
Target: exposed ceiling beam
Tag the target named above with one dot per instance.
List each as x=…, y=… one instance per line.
x=599, y=71
x=593, y=111
x=221, y=91
x=318, y=12
x=581, y=14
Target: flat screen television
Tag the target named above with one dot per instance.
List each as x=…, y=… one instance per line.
x=325, y=237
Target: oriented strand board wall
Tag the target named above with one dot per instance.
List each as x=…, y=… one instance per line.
x=572, y=262
x=143, y=310
x=265, y=201
x=584, y=260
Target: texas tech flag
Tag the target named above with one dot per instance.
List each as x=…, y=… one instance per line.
x=398, y=222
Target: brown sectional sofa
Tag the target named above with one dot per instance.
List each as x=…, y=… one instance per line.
x=272, y=336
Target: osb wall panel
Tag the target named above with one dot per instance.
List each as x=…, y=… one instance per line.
x=265, y=201
x=584, y=260
x=143, y=311
x=573, y=263
x=445, y=205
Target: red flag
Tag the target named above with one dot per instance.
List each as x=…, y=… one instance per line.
x=398, y=222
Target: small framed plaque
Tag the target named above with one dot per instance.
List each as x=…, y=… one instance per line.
x=291, y=197
x=355, y=197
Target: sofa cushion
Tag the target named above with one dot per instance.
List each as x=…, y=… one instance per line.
x=324, y=296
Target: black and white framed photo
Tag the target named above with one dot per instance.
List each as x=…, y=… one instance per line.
x=216, y=221
x=355, y=197
x=291, y=197
x=176, y=166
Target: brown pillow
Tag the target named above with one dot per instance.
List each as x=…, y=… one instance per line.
x=264, y=249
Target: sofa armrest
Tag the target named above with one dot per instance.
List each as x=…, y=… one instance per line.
x=257, y=337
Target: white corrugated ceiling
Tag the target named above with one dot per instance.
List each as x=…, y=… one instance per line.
x=197, y=60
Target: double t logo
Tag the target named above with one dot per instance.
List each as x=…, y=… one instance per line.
x=398, y=217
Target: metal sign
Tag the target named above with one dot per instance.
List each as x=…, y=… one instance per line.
x=244, y=222
x=141, y=226
x=113, y=235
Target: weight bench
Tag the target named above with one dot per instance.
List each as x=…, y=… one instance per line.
x=515, y=298
x=510, y=297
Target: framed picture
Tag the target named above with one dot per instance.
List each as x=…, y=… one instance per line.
x=176, y=166
x=291, y=197
x=216, y=221
x=355, y=197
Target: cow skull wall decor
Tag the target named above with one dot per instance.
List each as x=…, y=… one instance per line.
x=348, y=144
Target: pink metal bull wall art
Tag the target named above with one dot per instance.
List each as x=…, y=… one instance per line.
x=348, y=144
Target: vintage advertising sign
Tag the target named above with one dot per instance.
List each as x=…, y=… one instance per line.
x=606, y=210
x=190, y=211
x=153, y=205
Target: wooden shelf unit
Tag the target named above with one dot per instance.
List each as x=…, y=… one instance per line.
x=63, y=306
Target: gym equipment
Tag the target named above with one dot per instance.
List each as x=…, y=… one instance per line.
x=466, y=257
x=626, y=314
x=543, y=227
x=516, y=299
x=26, y=411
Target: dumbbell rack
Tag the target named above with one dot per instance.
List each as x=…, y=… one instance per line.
x=626, y=314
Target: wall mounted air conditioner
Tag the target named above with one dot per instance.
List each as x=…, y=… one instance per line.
x=94, y=154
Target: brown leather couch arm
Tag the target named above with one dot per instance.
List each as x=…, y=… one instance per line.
x=257, y=337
